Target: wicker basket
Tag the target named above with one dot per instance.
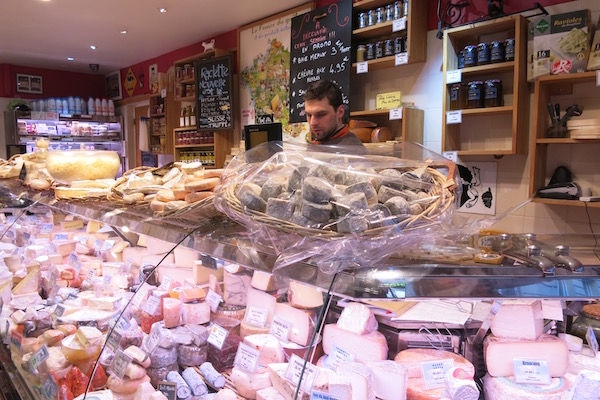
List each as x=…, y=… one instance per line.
x=188, y=215
x=441, y=189
x=118, y=190
x=11, y=168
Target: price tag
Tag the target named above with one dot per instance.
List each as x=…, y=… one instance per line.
x=399, y=24
x=217, y=336
x=208, y=261
x=246, y=358
x=16, y=338
x=61, y=236
x=91, y=274
x=120, y=363
x=152, y=305
x=257, y=316
x=81, y=239
x=169, y=389
x=113, y=340
x=590, y=336
x=74, y=262
x=139, y=297
x=362, y=67
x=163, y=93
x=39, y=357
x=315, y=395
x=166, y=283
x=454, y=76
x=107, y=245
x=532, y=371
x=339, y=356
x=90, y=322
x=451, y=155
x=107, y=279
x=213, y=299
x=59, y=310
x=153, y=339
x=293, y=373
x=433, y=372
x=32, y=218
x=401, y=59
x=53, y=292
x=46, y=228
x=49, y=387
x=454, y=117
x=395, y=113
x=98, y=244
x=53, y=278
x=122, y=324
x=280, y=329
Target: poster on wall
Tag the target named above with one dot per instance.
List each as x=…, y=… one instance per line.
x=478, y=187
x=320, y=51
x=264, y=64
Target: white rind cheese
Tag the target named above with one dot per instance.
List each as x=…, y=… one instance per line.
x=508, y=389
x=369, y=347
x=519, y=320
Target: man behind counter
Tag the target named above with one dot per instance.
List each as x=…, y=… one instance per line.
x=324, y=113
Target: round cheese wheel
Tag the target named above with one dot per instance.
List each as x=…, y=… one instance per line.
x=507, y=388
x=125, y=386
x=197, y=196
x=198, y=185
x=412, y=358
x=381, y=134
x=415, y=390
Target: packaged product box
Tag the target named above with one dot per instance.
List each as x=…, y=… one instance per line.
x=530, y=29
x=561, y=43
x=594, y=61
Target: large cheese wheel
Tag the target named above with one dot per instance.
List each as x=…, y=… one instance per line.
x=415, y=390
x=125, y=386
x=412, y=358
x=507, y=388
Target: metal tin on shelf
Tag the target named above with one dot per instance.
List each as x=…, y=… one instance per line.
x=379, y=49
x=370, y=54
x=458, y=96
x=371, y=17
x=461, y=59
x=398, y=9
x=389, y=12
x=380, y=15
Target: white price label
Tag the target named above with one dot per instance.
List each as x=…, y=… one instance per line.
x=107, y=279
x=217, y=336
x=120, y=363
x=61, y=236
x=280, y=329
x=339, y=356
x=399, y=24
x=113, y=341
x=433, y=372
x=257, y=316
x=98, y=244
x=166, y=283
x=59, y=310
x=246, y=358
x=46, y=228
x=74, y=262
x=454, y=117
x=590, y=336
x=316, y=395
x=90, y=274
x=152, y=340
x=49, y=387
x=53, y=293
x=152, y=305
x=139, y=297
x=454, y=76
x=401, y=59
x=294, y=373
x=530, y=371
x=395, y=113
x=32, y=218
x=451, y=155
x=81, y=239
x=362, y=67
x=163, y=93
x=107, y=245
x=213, y=299
x=39, y=357
x=122, y=324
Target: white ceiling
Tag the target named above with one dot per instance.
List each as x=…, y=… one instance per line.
x=43, y=33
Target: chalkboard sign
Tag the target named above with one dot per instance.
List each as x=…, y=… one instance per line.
x=320, y=50
x=214, y=90
x=169, y=389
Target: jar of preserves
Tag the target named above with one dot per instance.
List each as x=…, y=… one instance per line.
x=475, y=94
x=362, y=20
x=461, y=59
x=509, y=49
x=371, y=17
x=370, y=54
x=497, y=51
x=398, y=45
x=458, y=96
x=179, y=89
x=188, y=71
x=398, y=9
x=483, y=54
x=178, y=73
x=380, y=15
x=379, y=49
x=493, y=93
x=388, y=48
x=470, y=55
x=389, y=12
x=360, y=53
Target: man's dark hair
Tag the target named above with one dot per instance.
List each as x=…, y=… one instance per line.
x=320, y=90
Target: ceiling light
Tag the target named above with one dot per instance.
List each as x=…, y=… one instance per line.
x=123, y=32
x=93, y=47
x=162, y=10
x=70, y=58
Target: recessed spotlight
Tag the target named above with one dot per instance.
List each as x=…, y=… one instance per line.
x=70, y=58
x=93, y=47
x=123, y=32
x=162, y=10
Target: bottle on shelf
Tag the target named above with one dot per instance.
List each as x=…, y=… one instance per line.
x=187, y=116
x=182, y=117
x=91, y=106
x=98, y=105
x=111, y=108
x=105, y=107
x=193, y=116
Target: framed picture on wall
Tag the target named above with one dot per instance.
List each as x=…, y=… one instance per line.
x=113, y=85
x=35, y=84
x=23, y=83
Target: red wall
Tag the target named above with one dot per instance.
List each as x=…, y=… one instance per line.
x=61, y=83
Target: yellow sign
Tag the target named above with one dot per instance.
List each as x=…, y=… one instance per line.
x=130, y=82
x=386, y=101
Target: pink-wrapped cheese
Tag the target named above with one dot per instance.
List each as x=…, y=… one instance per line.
x=195, y=313
x=171, y=312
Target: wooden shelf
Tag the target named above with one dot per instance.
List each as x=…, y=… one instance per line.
x=187, y=98
x=370, y=4
x=487, y=111
x=484, y=152
x=186, y=129
x=565, y=141
x=383, y=62
x=157, y=115
x=378, y=30
x=488, y=69
x=559, y=202
x=184, y=81
x=369, y=113
x=187, y=146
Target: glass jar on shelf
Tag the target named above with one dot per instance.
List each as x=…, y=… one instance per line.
x=493, y=93
x=475, y=94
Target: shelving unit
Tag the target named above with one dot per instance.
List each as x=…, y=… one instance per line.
x=163, y=116
x=507, y=126
x=407, y=129
x=415, y=33
x=553, y=88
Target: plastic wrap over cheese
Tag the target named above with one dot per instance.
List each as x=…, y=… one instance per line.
x=334, y=206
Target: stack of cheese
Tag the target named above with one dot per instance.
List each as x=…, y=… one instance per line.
x=261, y=298
x=135, y=374
x=517, y=333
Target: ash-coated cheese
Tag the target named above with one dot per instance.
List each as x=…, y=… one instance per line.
x=351, y=202
x=357, y=318
x=326, y=173
x=352, y=224
x=499, y=354
x=248, y=383
x=273, y=187
x=192, y=355
x=398, y=205
x=236, y=288
x=160, y=374
x=280, y=208
x=183, y=389
x=194, y=381
x=369, y=347
x=316, y=190
x=519, y=320
x=502, y=388
x=296, y=178
x=365, y=188
x=249, y=195
x=162, y=357
x=316, y=212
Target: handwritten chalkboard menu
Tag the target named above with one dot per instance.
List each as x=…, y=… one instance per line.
x=320, y=50
x=214, y=90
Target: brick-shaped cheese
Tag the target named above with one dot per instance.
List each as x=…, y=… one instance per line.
x=369, y=347
x=357, y=318
x=302, y=322
x=519, y=320
x=270, y=350
x=236, y=288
